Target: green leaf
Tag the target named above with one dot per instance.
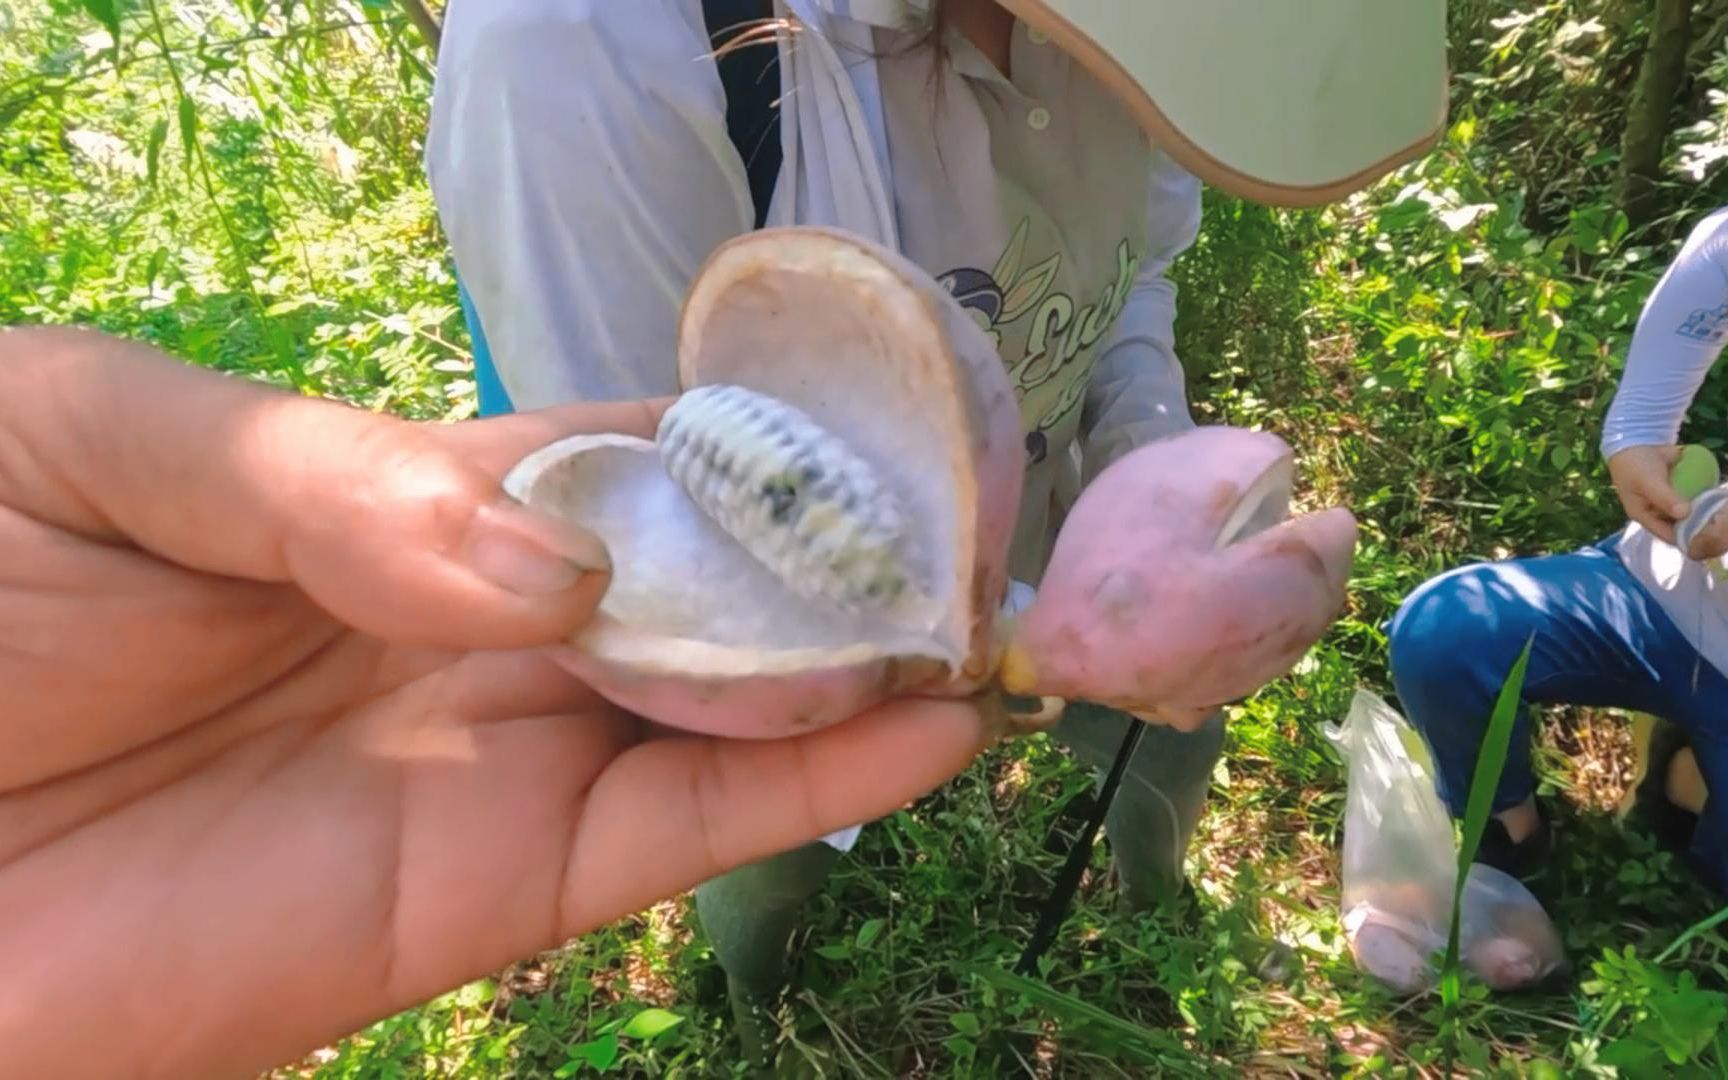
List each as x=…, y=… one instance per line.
x=106, y=12
x=965, y=1023
x=1475, y=1054
x=1403, y=214
x=1685, y=1022
x=188, y=124
x=1633, y=1057
x=1141, y=1042
x=153, y=155
x=1704, y=926
x=292, y=303
x=600, y=1054
x=476, y=993
x=11, y=110
x=1490, y=762
x=650, y=1022
x=869, y=932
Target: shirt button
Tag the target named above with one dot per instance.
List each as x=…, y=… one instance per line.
x=1036, y=36
x=1039, y=118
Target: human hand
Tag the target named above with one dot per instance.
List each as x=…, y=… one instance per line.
x=1641, y=479
x=1709, y=539
x=284, y=745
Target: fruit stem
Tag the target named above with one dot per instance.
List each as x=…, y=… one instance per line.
x=1016, y=671
x=1032, y=712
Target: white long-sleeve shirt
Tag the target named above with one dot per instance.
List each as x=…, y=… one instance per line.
x=580, y=161
x=1680, y=334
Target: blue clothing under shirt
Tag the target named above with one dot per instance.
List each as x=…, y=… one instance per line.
x=494, y=400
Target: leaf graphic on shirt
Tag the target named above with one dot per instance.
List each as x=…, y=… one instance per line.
x=1008, y=266
x=1065, y=403
x=1025, y=293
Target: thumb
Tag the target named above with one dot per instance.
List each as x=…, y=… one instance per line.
x=423, y=548
x=392, y=527
x=1667, y=499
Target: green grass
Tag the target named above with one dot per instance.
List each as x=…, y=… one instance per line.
x=902, y=965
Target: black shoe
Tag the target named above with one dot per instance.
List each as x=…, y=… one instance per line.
x=1671, y=825
x=1524, y=860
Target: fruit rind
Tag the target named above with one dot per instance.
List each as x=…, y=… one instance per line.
x=948, y=411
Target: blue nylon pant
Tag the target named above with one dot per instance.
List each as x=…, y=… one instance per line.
x=1601, y=640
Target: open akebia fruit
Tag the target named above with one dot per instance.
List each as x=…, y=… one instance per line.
x=823, y=521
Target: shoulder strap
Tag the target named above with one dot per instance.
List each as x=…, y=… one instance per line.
x=750, y=75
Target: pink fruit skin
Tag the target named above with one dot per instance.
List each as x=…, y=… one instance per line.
x=997, y=455
x=748, y=707
x=1141, y=611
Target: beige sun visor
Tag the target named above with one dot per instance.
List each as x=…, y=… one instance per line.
x=1287, y=102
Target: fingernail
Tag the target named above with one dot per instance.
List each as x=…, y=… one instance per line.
x=531, y=554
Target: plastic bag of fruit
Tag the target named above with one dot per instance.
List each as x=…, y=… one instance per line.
x=1400, y=864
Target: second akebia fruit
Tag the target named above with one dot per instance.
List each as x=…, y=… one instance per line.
x=1179, y=582
x=823, y=521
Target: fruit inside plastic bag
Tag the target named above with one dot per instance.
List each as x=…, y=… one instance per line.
x=1401, y=862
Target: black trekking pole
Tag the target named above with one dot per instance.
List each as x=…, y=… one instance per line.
x=1068, y=881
